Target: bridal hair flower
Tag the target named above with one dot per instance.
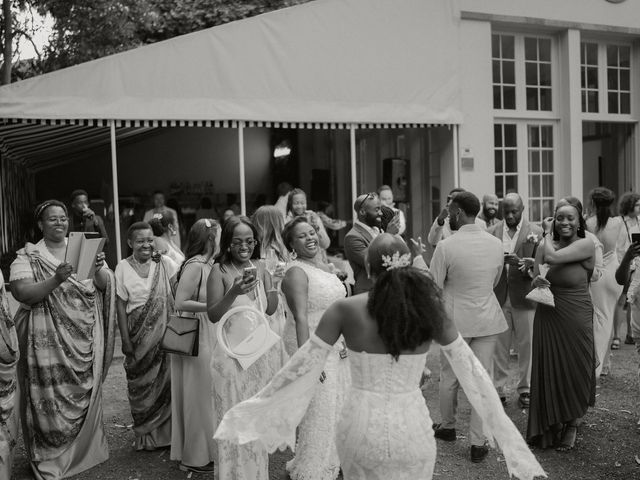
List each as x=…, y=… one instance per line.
x=396, y=261
x=532, y=238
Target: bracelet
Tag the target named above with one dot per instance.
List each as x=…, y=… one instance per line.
x=272, y=290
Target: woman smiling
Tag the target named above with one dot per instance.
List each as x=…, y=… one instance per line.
x=65, y=330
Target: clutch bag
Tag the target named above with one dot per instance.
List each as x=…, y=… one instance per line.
x=181, y=336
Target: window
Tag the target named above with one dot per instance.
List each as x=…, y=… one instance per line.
x=618, y=79
x=589, y=76
x=504, y=77
x=537, y=56
x=540, y=156
x=506, y=159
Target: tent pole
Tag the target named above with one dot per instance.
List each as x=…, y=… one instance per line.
x=116, y=197
x=354, y=183
x=456, y=158
x=243, y=193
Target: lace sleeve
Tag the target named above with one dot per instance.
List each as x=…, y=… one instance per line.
x=272, y=415
x=496, y=425
x=21, y=268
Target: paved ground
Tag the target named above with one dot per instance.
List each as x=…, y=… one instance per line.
x=607, y=448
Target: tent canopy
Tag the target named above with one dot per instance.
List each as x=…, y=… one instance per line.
x=327, y=61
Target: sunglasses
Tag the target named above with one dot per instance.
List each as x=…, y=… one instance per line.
x=368, y=196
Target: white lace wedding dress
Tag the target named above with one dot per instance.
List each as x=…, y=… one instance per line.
x=385, y=431
x=316, y=455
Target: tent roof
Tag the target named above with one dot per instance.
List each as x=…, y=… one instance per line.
x=327, y=61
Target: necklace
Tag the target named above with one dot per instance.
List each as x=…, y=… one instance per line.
x=141, y=268
x=55, y=251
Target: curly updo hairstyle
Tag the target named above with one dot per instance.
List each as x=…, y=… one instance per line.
x=404, y=301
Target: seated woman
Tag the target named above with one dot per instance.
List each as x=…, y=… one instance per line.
x=65, y=329
x=384, y=430
x=144, y=305
x=8, y=384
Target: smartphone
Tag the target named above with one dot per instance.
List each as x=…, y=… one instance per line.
x=249, y=274
x=635, y=238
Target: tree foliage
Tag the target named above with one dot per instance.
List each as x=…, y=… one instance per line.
x=89, y=29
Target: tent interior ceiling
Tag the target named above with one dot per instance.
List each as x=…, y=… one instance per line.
x=39, y=147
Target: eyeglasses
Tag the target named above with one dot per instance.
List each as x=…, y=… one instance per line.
x=368, y=196
x=249, y=243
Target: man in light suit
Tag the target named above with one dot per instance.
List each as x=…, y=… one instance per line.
x=357, y=240
x=519, y=240
x=467, y=266
x=441, y=228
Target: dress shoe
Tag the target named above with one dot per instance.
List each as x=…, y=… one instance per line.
x=479, y=453
x=203, y=469
x=446, y=434
x=524, y=400
x=629, y=340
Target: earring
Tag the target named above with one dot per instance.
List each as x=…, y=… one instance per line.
x=293, y=255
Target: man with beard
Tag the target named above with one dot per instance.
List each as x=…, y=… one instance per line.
x=467, y=266
x=356, y=242
x=489, y=213
x=519, y=241
x=440, y=228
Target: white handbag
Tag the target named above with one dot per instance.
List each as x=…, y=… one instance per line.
x=542, y=294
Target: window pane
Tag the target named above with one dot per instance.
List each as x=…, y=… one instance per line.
x=510, y=162
x=498, y=161
x=530, y=49
x=547, y=208
x=545, y=74
x=544, y=45
x=511, y=183
x=624, y=57
x=583, y=53
x=612, y=79
x=584, y=101
x=625, y=103
x=613, y=102
x=531, y=73
x=534, y=136
x=508, y=72
x=583, y=78
x=495, y=46
x=510, y=135
x=532, y=99
x=497, y=135
x=547, y=186
x=612, y=55
x=508, y=46
x=534, y=161
x=592, y=102
x=534, y=211
x=496, y=71
x=545, y=99
x=534, y=185
x=547, y=161
x=509, y=99
x=592, y=77
x=498, y=188
x=624, y=79
x=592, y=53
x=547, y=136
x=497, y=101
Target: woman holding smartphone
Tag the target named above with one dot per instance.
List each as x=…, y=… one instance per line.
x=239, y=278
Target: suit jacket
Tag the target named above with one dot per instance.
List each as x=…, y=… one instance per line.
x=513, y=282
x=467, y=266
x=356, y=243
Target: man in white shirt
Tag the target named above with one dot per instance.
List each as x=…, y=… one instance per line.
x=467, y=266
x=441, y=228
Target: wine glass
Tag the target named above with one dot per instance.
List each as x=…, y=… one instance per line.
x=271, y=261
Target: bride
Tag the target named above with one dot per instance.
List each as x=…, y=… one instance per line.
x=385, y=429
x=310, y=288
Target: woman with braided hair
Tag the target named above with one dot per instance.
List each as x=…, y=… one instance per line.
x=384, y=429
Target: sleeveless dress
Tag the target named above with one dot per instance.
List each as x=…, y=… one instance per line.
x=385, y=429
x=232, y=385
x=316, y=454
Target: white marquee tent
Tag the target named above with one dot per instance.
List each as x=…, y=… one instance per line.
x=324, y=64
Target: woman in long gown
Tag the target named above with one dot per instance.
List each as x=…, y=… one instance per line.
x=563, y=360
x=144, y=305
x=385, y=428
x=269, y=224
x=605, y=291
x=66, y=332
x=228, y=287
x=8, y=385
x=192, y=441
x=310, y=288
